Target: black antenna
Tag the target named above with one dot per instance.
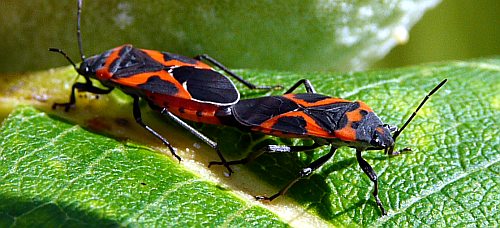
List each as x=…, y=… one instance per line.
x=78, y=33
x=398, y=132
x=65, y=56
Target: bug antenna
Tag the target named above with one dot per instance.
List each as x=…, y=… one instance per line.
x=65, y=56
x=398, y=132
x=78, y=32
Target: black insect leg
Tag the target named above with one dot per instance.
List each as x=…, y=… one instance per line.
x=373, y=177
x=267, y=149
x=82, y=87
x=307, y=84
x=138, y=119
x=391, y=152
x=199, y=135
x=232, y=74
x=306, y=172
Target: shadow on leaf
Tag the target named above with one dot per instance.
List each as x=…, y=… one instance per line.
x=16, y=211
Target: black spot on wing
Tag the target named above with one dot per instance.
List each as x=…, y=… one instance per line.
x=253, y=112
x=206, y=85
x=133, y=61
x=310, y=97
x=155, y=84
x=167, y=56
x=291, y=125
x=331, y=117
x=354, y=105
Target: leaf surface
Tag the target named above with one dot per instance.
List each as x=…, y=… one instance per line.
x=59, y=173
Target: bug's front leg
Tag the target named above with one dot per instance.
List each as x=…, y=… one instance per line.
x=367, y=168
x=82, y=87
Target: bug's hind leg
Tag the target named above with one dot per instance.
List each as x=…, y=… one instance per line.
x=138, y=119
x=199, y=135
x=234, y=75
x=307, y=84
x=304, y=173
x=267, y=149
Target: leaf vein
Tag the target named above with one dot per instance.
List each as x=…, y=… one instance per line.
x=87, y=170
x=177, y=186
x=52, y=142
x=437, y=189
x=376, y=84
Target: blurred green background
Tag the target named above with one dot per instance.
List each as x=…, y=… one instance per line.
x=454, y=30
x=295, y=36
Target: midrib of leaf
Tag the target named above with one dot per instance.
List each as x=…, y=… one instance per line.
x=55, y=192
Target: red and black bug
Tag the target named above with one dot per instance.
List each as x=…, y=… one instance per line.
x=187, y=87
x=326, y=120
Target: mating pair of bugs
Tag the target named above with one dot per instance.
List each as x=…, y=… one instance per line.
x=187, y=88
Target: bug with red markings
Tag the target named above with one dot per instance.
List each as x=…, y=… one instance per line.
x=326, y=120
x=188, y=87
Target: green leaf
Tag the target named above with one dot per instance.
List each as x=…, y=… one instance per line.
x=293, y=34
x=52, y=170
x=57, y=174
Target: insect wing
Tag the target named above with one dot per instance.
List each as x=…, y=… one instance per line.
x=277, y=115
x=145, y=69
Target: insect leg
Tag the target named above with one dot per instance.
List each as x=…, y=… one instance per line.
x=232, y=74
x=267, y=149
x=307, y=84
x=199, y=135
x=138, y=119
x=82, y=87
x=305, y=172
x=373, y=177
x=399, y=152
